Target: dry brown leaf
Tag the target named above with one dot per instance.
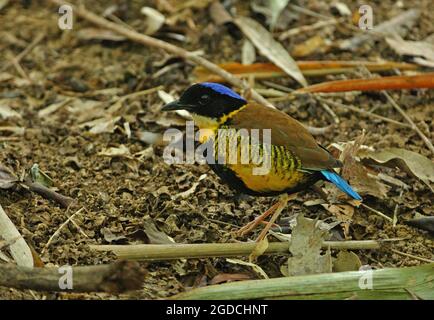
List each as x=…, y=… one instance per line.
x=255, y=267
x=7, y=177
x=259, y=249
x=270, y=48
x=154, y=235
x=185, y=194
x=110, y=237
x=248, y=53
x=346, y=261
x=399, y=24
x=359, y=177
x=102, y=125
x=409, y=161
x=305, y=246
x=121, y=151
x=344, y=213
x=413, y=48
x=219, y=14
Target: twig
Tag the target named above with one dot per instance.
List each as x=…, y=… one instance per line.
x=361, y=111
x=319, y=24
x=330, y=112
x=408, y=119
x=56, y=233
x=114, y=278
x=26, y=51
x=205, y=250
x=377, y=212
x=412, y=256
x=20, y=70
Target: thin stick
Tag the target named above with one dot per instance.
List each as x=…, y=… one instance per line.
x=56, y=233
x=330, y=112
x=319, y=24
x=26, y=51
x=412, y=256
x=377, y=212
x=206, y=250
x=20, y=70
x=408, y=119
x=361, y=111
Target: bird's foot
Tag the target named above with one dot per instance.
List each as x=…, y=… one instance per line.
x=281, y=204
x=253, y=224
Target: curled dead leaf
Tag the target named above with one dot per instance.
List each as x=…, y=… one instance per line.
x=7, y=177
x=409, y=161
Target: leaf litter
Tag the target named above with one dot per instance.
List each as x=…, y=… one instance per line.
x=119, y=197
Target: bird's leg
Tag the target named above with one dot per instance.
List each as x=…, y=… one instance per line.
x=253, y=224
x=281, y=204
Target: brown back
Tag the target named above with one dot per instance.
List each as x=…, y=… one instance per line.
x=285, y=131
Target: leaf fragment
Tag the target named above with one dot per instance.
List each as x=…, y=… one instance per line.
x=270, y=48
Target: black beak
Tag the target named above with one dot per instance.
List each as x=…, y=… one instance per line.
x=176, y=105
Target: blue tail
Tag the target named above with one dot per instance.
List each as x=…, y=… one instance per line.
x=340, y=183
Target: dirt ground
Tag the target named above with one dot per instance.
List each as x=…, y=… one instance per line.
x=123, y=196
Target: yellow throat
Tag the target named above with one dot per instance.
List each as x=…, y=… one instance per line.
x=208, y=126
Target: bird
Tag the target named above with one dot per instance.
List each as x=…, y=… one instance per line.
x=297, y=161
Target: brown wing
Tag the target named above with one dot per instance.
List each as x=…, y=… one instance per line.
x=288, y=132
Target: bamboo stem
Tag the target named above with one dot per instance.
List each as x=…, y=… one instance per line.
x=206, y=250
x=391, y=283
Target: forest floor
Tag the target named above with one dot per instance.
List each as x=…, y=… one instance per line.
x=128, y=199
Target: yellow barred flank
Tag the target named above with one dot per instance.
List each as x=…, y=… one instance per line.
x=284, y=170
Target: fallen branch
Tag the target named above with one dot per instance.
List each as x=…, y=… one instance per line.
x=419, y=81
x=396, y=283
x=113, y=278
x=264, y=70
x=206, y=250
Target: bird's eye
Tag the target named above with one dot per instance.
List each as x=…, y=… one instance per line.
x=204, y=99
